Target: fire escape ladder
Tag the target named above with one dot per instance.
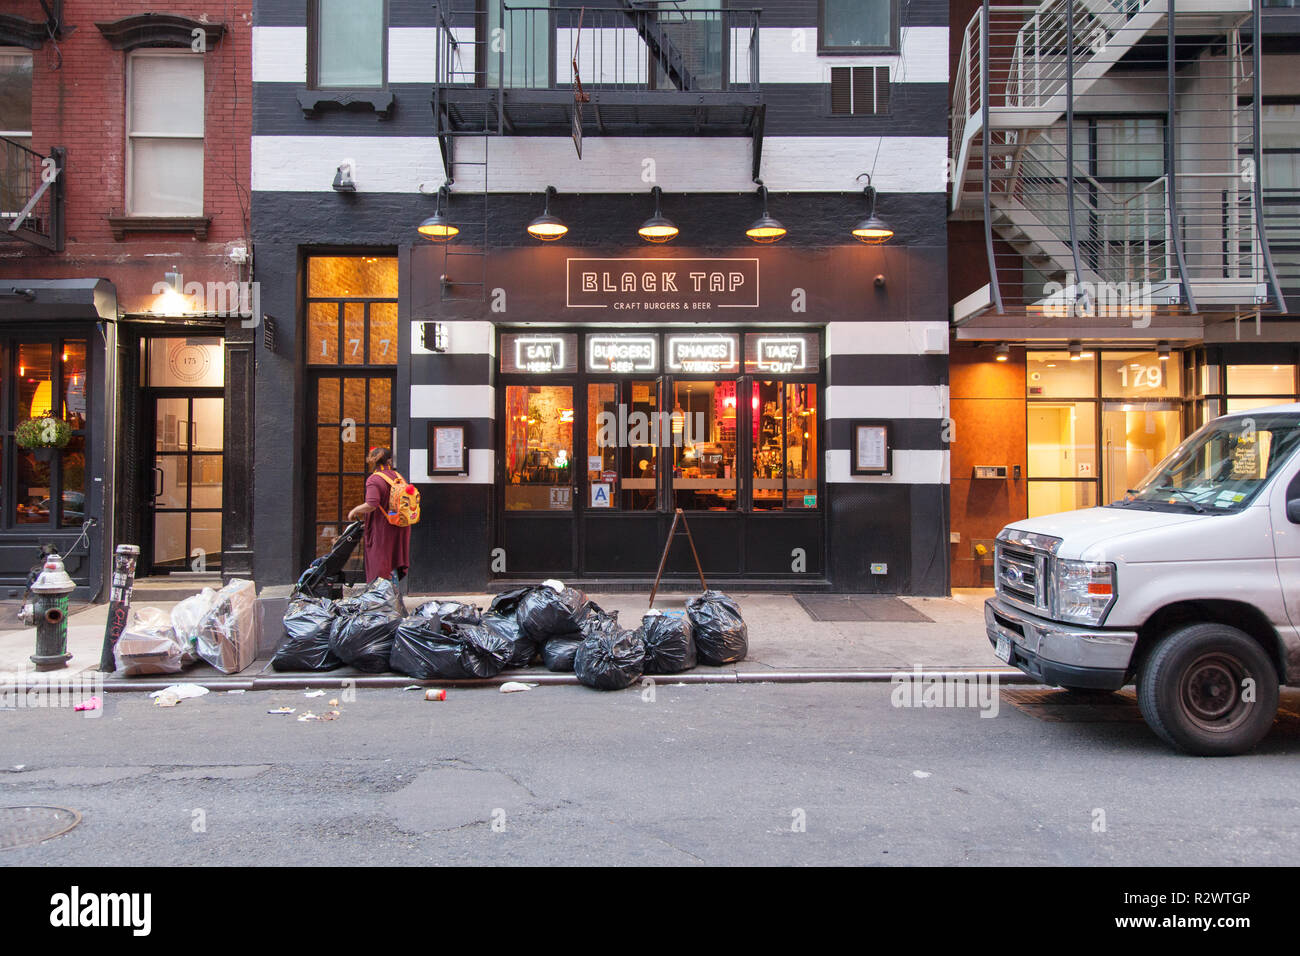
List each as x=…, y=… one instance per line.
x=663, y=52
x=32, y=195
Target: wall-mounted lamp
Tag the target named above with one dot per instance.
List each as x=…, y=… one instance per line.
x=1162, y=351
x=546, y=227
x=872, y=230
x=1076, y=351
x=765, y=229
x=1002, y=352
x=438, y=228
x=658, y=228
x=345, y=180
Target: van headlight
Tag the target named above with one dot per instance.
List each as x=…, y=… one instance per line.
x=1082, y=591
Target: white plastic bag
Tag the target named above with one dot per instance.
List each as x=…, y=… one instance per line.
x=149, y=644
x=187, y=618
x=227, y=636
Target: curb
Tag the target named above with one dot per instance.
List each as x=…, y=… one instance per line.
x=324, y=680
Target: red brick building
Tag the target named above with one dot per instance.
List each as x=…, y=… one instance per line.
x=125, y=305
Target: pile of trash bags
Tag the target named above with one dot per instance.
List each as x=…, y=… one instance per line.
x=213, y=626
x=448, y=640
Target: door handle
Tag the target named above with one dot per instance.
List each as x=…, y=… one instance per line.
x=160, y=480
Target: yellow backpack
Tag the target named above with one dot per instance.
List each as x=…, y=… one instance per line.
x=403, y=501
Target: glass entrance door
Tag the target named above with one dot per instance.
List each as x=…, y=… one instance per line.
x=188, y=453
x=1136, y=436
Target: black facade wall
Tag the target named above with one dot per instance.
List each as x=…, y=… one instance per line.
x=609, y=221
x=793, y=109
x=451, y=549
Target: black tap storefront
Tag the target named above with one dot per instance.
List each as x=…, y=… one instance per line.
x=604, y=433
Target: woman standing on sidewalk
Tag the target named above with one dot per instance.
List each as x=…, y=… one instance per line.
x=387, y=547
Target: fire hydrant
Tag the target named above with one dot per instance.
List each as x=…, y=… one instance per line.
x=51, y=591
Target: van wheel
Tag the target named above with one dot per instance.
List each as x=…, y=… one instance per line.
x=1191, y=690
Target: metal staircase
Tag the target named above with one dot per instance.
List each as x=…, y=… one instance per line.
x=1153, y=203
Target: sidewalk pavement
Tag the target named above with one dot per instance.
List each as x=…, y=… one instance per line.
x=947, y=633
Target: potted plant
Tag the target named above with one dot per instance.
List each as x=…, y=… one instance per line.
x=43, y=437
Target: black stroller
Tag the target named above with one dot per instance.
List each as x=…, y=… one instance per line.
x=325, y=577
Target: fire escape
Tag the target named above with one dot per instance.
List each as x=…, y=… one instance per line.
x=1182, y=230
x=635, y=68
x=31, y=185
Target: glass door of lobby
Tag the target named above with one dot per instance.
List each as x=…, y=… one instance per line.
x=184, y=466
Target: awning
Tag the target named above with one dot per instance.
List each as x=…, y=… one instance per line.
x=28, y=299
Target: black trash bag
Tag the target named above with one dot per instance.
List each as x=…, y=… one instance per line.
x=669, y=643
x=306, y=643
x=507, y=602
x=558, y=652
x=610, y=659
x=721, y=636
x=379, y=594
x=544, y=613
x=421, y=649
x=365, y=640
x=426, y=651
x=524, y=649
x=451, y=611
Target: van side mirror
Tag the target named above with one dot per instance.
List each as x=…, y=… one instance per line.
x=1293, y=510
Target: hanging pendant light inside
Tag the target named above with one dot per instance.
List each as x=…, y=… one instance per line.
x=765, y=229
x=546, y=227
x=438, y=228
x=872, y=230
x=657, y=228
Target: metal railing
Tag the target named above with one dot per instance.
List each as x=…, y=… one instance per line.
x=31, y=195
x=629, y=48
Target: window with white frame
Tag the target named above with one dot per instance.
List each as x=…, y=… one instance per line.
x=165, y=134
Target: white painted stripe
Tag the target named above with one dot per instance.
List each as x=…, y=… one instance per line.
x=910, y=467
x=412, y=54
x=464, y=338
x=279, y=54
x=886, y=401
x=453, y=401
x=786, y=55
x=609, y=164
x=789, y=55
x=883, y=338
x=482, y=469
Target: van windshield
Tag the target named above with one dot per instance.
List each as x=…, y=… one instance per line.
x=1220, y=468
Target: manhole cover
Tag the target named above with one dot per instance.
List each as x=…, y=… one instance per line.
x=27, y=826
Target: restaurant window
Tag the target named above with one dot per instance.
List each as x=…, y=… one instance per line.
x=349, y=44
x=165, y=134
x=15, y=126
x=857, y=26
x=703, y=422
x=539, y=448
x=49, y=379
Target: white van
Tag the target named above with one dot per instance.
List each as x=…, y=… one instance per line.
x=1188, y=586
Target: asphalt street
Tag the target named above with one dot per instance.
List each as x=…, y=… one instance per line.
x=718, y=774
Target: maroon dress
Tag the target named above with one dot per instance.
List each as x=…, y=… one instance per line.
x=387, y=547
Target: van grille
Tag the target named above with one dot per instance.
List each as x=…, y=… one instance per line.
x=1020, y=575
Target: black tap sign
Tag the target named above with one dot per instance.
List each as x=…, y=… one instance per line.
x=662, y=286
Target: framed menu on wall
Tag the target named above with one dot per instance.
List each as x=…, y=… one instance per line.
x=871, y=452
x=448, y=448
